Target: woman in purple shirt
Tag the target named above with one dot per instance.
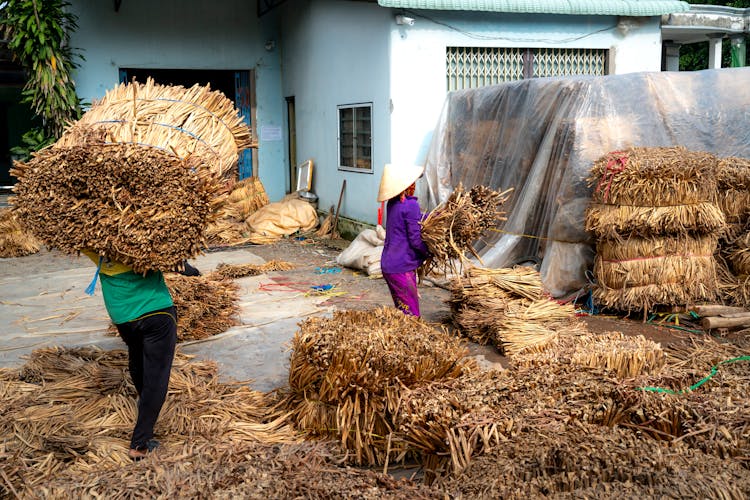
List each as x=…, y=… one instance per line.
x=404, y=249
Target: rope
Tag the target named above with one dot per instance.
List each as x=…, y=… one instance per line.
x=614, y=166
x=714, y=370
x=179, y=129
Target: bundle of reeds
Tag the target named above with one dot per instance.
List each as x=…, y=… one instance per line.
x=233, y=271
x=508, y=308
x=639, y=273
x=70, y=412
x=626, y=356
x=206, y=305
x=245, y=197
x=346, y=373
x=657, y=224
x=733, y=187
x=138, y=178
x=450, y=229
x=734, y=289
x=15, y=241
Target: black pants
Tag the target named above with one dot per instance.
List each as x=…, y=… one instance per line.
x=151, y=343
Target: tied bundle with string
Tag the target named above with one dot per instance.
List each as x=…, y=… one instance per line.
x=657, y=224
x=138, y=178
x=450, y=229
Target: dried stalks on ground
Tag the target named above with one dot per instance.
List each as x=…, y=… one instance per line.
x=233, y=271
x=15, y=241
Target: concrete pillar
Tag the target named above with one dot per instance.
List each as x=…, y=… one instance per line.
x=739, y=50
x=714, y=50
x=672, y=56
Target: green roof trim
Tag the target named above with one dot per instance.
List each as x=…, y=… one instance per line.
x=636, y=8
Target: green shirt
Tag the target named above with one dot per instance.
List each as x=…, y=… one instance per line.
x=127, y=295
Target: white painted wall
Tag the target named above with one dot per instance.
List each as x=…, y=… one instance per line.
x=418, y=68
x=185, y=34
x=336, y=52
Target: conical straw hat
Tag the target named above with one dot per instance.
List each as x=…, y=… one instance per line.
x=396, y=178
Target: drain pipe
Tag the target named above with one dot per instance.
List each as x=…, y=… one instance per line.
x=738, y=50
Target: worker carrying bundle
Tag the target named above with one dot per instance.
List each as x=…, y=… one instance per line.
x=138, y=178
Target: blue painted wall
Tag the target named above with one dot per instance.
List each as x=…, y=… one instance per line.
x=186, y=34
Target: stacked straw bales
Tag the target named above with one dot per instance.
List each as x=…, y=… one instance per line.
x=346, y=374
x=15, y=241
x=138, y=178
x=509, y=309
x=450, y=230
x=657, y=225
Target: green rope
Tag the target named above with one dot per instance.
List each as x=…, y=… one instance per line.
x=714, y=370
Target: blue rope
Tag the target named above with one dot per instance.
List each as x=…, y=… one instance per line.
x=92, y=286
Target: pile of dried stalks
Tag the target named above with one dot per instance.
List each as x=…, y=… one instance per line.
x=233, y=271
x=733, y=187
x=625, y=356
x=346, y=374
x=508, y=308
x=15, y=241
x=653, y=212
x=68, y=413
x=206, y=305
x=138, y=178
x=450, y=230
x=572, y=459
x=246, y=196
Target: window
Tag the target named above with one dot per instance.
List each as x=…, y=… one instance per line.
x=472, y=67
x=355, y=137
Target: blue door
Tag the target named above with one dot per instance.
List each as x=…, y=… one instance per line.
x=243, y=100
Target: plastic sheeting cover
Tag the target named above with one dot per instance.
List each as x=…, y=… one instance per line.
x=541, y=137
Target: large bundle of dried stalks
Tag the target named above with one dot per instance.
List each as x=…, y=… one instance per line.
x=15, y=241
x=508, y=308
x=70, y=412
x=138, y=205
x=346, y=373
x=196, y=121
x=733, y=186
x=138, y=178
x=450, y=230
x=206, y=305
x=233, y=271
x=638, y=273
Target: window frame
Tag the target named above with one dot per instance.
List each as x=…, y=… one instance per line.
x=339, y=145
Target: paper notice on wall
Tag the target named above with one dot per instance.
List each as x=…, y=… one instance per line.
x=270, y=133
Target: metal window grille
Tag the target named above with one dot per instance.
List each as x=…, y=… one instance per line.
x=473, y=67
x=569, y=62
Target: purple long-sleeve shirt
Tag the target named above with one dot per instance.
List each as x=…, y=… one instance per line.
x=404, y=249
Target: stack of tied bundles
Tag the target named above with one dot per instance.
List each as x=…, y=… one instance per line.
x=138, y=178
x=733, y=183
x=657, y=226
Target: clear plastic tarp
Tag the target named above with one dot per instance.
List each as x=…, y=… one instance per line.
x=541, y=137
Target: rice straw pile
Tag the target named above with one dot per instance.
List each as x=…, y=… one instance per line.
x=138, y=178
x=15, y=241
x=246, y=196
x=450, y=230
x=654, y=215
x=509, y=309
x=234, y=271
x=70, y=412
x=733, y=188
x=206, y=305
x=346, y=373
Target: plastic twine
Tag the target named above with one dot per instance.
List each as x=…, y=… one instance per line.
x=714, y=370
x=92, y=286
x=614, y=166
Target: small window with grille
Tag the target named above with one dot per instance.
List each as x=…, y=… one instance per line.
x=473, y=67
x=355, y=137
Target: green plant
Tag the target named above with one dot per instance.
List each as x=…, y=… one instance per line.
x=38, y=35
x=33, y=140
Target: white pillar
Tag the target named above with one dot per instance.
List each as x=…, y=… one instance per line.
x=714, y=50
x=672, y=56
